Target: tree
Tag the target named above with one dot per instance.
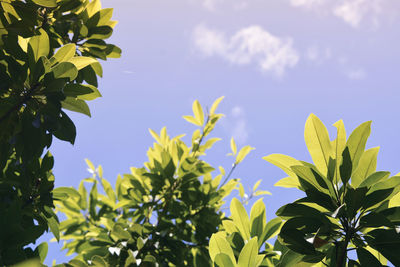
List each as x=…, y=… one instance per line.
x=164, y=212
x=48, y=63
x=348, y=204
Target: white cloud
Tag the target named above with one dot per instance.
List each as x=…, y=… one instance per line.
x=354, y=11
x=240, y=129
x=211, y=4
x=248, y=45
x=356, y=74
x=307, y=3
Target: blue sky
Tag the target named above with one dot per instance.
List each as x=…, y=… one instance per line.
x=274, y=61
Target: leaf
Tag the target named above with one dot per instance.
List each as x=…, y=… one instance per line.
x=271, y=229
x=346, y=167
x=54, y=227
x=76, y=105
x=70, y=191
x=354, y=199
x=218, y=244
x=46, y=3
x=338, y=145
x=223, y=260
x=63, y=54
x=284, y=162
x=374, y=178
x=233, y=147
x=318, y=143
x=108, y=189
x=113, y=51
x=192, y=120
x=215, y=105
x=198, y=112
x=65, y=70
x=240, y=218
x=386, y=242
x=243, y=153
x=66, y=130
x=357, y=141
x=82, y=62
x=42, y=250
x=288, y=182
x=38, y=46
x=81, y=91
x=376, y=197
x=257, y=218
x=248, y=255
x=366, y=166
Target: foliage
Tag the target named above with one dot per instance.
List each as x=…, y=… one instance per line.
x=48, y=63
x=241, y=239
x=348, y=204
x=164, y=212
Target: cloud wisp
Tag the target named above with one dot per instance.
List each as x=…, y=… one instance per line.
x=249, y=45
x=352, y=12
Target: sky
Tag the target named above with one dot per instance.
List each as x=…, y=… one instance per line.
x=275, y=61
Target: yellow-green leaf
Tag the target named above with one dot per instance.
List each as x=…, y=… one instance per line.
x=215, y=105
x=243, y=153
x=366, y=166
x=198, y=112
x=240, y=218
x=318, y=143
x=233, y=146
x=219, y=244
x=338, y=145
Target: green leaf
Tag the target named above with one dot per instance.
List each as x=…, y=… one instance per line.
x=223, y=260
x=257, y=218
x=354, y=199
x=65, y=70
x=76, y=105
x=219, y=244
x=108, y=189
x=46, y=3
x=338, y=146
x=38, y=46
x=374, y=178
x=270, y=230
x=288, y=182
x=318, y=143
x=248, y=255
x=70, y=191
x=284, y=162
x=81, y=91
x=66, y=130
x=240, y=218
x=42, y=250
x=243, y=153
x=113, y=51
x=54, y=227
x=297, y=210
x=81, y=62
x=295, y=240
x=346, y=167
x=366, y=166
x=376, y=197
x=215, y=105
x=63, y=54
x=387, y=242
x=198, y=112
x=357, y=141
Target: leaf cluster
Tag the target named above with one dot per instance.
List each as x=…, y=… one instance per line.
x=348, y=204
x=49, y=53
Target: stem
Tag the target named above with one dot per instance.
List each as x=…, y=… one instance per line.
x=342, y=248
x=229, y=175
